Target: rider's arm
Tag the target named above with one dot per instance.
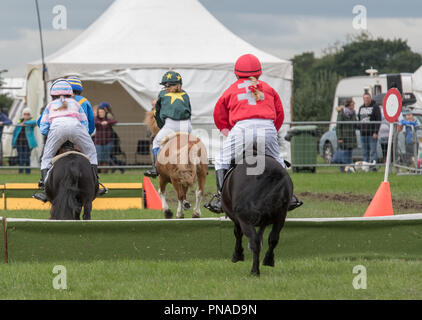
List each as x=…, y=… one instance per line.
x=90, y=116
x=159, y=121
x=44, y=122
x=221, y=116
x=279, y=111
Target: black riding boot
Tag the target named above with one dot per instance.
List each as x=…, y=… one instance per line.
x=42, y=196
x=101, y=189
x=153, y=173
x=294, y=203
x=215, y=204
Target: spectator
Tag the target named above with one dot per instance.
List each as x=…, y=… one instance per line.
x=409, y=124
x=4, y=121
x=345, y=134
x=24, y=140
x=107, y=107
x=369, y=112
x=383, y=134
x=104, y=135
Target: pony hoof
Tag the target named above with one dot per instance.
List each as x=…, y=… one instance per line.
x=268, y=262
x=255, y=273
x=186, y=205
x=196, y=215
x=180, y=217
x=168, y=214
x=237, y=258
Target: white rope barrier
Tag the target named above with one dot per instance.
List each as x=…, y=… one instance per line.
x=400, y=217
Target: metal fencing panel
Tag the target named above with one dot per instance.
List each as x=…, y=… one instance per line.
x=311, y=145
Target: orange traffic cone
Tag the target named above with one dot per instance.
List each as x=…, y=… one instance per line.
x=381, y=204
x=152, y=196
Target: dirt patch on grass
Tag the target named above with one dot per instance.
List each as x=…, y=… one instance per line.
x=348, y=197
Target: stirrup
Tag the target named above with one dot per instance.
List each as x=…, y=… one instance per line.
x=102, y=191
x=42, y=196
x=151, y=173
x=294, y=205
x=213, y=208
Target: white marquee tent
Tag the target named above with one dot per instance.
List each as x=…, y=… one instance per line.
x=417, y=85
x=122, y=56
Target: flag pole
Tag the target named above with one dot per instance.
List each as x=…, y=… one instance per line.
x=44, y=69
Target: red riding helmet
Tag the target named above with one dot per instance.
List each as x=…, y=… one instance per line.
x=248, y=66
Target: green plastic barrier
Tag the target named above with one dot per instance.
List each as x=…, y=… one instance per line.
x=206, y=239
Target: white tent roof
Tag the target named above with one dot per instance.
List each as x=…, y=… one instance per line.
x=122, y=56
x=157, y=34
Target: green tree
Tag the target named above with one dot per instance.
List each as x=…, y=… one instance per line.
x=315, y=79
x=5, y=101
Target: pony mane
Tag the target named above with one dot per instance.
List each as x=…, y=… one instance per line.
x=151, y=123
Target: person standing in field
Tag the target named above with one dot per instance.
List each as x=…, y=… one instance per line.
x=369, y=113
x=24, y=140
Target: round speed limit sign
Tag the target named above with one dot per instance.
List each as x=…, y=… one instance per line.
x=392, y=105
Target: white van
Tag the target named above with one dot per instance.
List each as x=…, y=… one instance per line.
x=354, y=88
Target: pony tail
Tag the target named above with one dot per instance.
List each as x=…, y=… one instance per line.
x=255, y=88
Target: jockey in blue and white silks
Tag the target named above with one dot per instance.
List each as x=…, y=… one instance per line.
x=77, y=88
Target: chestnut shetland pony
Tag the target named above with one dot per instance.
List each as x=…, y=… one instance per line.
x=182, y=161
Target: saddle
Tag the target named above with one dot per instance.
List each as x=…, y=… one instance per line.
x=173, y=135
x=65, y=154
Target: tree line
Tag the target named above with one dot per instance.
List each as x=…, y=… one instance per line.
x=315, y=79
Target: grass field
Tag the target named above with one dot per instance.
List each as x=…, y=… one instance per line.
x=326, y=194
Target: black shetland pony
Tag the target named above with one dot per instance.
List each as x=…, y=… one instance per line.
x=252, y=201
x=71, y=185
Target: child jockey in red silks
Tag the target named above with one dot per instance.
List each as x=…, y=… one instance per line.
x=248, y=108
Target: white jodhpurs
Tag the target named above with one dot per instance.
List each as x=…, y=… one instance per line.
x=171, y=126
x=242, y=137
x=63, y=129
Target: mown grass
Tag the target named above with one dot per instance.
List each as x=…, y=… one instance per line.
x=307, y=278
x=313, y=278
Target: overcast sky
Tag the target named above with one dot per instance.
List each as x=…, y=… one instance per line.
x=280, y=27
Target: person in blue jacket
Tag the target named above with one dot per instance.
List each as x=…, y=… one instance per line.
x=24, y=140
x=4, y=121
x=77, y=88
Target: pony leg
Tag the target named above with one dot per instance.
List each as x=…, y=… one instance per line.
x=180, y=210
x=186, y=204
x=238, y=249
x=181, y=196
x=197, y=210
x=87, y=211
x=199, y=194
x=273, y=241
x=254, y=244
x=260, y=234
x=168, y=214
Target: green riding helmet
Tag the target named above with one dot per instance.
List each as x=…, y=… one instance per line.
x=171, y=77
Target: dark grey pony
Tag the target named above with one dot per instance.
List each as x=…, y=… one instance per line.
x=256, y=201
x=71, y=185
